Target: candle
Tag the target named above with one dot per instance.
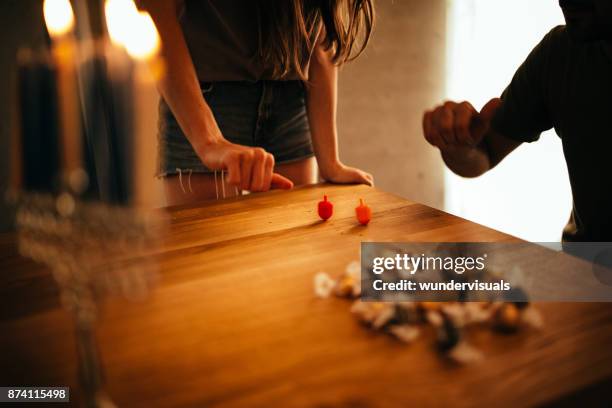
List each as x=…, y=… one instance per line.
x=143, y=46
x=92, y=119
x=96, y=150
x=363, y=213
x=118, y=101
x=131, y=105
x=16, y=144
x=37, y=123
x=59, y=19
x=109, y=117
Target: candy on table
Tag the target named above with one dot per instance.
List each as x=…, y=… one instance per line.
x=363, y=213
x=507, y=318
x=324, y=285
x=464, y=353
x=347, y=285
x=402, y=320
x=325, y=208
x=448, y=334
x=510, y=317
x=406, y=333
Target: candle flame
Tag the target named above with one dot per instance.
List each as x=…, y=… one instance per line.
x=119, y=17
x=132, y=29
x=144, y=42
x=59, y=16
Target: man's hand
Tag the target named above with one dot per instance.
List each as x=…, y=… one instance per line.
x=464, y=136
x=458, y=124
x=248, y=168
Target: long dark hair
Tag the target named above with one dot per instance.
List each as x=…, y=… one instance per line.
x=288, y=29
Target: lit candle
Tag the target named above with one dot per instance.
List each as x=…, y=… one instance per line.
x=133, y=67
x=149, y=71
x=59, y=19
x=123, y=102
x=143, y=45
x=109, y=109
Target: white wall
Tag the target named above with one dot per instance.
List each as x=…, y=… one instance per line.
x=528, y=194
x=384, y=93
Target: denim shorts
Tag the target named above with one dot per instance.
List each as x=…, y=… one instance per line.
x=267, y=114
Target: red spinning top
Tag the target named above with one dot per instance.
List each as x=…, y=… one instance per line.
x=363, y=213
x=326, y=209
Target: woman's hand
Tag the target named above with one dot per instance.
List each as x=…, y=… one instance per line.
x=341, y=174
x=248, y=168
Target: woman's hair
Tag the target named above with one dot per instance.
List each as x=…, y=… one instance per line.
x=288, y=29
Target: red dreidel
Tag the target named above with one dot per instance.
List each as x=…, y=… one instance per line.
x=363, y=212
x=326, y=209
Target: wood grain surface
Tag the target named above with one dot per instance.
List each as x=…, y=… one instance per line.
x=233, y=320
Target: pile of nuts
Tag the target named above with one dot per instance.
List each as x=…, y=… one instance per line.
x=404, y=320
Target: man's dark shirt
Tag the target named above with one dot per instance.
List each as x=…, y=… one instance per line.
x=567, y=85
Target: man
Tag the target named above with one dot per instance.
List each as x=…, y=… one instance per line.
x=565, y=84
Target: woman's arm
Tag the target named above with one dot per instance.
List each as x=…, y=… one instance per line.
x=321, y=103
x=248, y=168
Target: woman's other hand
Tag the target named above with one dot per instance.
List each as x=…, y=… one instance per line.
x=341, y=174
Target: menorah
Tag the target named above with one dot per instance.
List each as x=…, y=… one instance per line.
x=94, y=251
x=83, y=170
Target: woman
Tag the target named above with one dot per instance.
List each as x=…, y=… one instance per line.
x=251, y=89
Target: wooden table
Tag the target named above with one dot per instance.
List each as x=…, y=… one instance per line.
x=233, y=320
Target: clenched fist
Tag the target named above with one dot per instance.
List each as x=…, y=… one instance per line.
x=458, y=124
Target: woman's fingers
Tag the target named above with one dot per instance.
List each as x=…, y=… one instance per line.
x=366, y=178
x=268, y=171
x=279, y=182
x=360, y=176
x=246, y=168
x=250, y=169
x=351, y=175
x=257, y=173
x=232, y=164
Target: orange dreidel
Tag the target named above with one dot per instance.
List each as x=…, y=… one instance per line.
x=363, y=213
x=326, y=209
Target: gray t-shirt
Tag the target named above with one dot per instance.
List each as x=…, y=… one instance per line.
x=567, y=85
x=224, y=39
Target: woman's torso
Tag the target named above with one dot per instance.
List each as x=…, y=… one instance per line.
x=224, y=39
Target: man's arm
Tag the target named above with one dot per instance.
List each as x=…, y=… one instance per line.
x=473, y=142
